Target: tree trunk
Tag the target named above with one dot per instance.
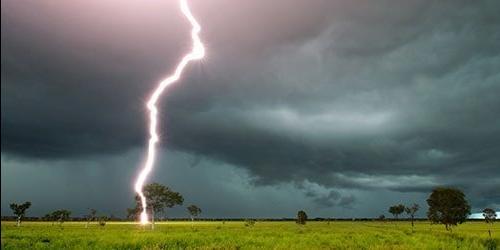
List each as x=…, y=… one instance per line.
x=152, y=219
x=18, y=221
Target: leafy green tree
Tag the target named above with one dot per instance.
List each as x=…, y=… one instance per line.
x=158, y=198
x=447, y=206
x=91, y=216
x=489, y=217
x=60, y=215
x=411, y=211
x=194, y=211
x=396, y=210
x=20, y=210
x=301, y=217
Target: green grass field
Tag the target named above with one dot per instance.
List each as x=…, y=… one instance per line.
x=235, y=235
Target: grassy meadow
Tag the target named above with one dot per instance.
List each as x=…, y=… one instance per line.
x=235, y=235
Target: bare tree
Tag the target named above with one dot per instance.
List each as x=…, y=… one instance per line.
x=91, y=216
x=489, y=217
x=411, y=211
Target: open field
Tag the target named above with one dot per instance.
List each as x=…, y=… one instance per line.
x=235, y=235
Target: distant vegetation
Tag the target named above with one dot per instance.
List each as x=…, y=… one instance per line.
x=249, y=222
x=60, y=216
x=447, y=206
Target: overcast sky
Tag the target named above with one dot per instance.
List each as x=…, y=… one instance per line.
x=340, y=108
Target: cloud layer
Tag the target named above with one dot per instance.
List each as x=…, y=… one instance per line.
x=330, y=97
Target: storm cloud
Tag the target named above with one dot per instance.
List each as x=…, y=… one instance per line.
x=335, y=99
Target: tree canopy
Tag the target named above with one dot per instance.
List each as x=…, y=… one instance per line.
x=20, y=210
x=448, y=206
x=411, y=211
x=61, y=215
x=301, y=217
x=396, y=210
x=159, y=197
x=194, y=211
x=489, y=215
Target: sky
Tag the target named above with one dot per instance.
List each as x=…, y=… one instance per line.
x=339, y=108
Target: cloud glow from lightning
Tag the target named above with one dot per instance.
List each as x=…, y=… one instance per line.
x=197, y=52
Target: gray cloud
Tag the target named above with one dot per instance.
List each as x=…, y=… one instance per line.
x=348, y=96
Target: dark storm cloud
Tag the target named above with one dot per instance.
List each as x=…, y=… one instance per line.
x=354, y=95
x=331, y=198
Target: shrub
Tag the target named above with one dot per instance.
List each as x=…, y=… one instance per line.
x=249, y=223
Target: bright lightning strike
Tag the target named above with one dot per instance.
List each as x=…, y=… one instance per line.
x=197, y=52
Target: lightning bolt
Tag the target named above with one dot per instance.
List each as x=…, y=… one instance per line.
x=197, y=52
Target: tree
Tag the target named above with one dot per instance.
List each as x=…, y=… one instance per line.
x=301, y=217
x=194, y=211
x=489, y=217
x=411, y=211
x=133, y=213
x=102, y=220
x=49, y=217
x=91, y=216
x=19, y=210
x=60, y=215
x=381, y=217
x=396, y=210
x=158, y=198
x=447, y=206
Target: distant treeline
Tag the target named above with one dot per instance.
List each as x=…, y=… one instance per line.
x=447, y=206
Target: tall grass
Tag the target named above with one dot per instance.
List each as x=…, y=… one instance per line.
x=235, y=235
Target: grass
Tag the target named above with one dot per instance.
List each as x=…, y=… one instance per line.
x=235, y=235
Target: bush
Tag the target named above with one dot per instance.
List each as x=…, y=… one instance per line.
x=102, y=221
x=249, y=223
